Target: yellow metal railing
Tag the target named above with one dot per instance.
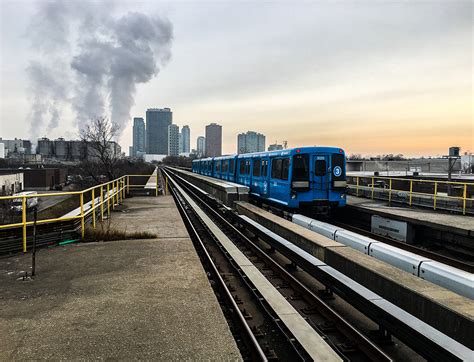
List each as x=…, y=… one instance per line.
x=103, y=197
x=386, y=185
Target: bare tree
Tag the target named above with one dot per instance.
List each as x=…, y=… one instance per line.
x=101, y=155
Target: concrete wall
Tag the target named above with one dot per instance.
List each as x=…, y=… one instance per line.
x=11, y=183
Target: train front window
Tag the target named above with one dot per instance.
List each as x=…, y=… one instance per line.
x=320, y=168
x=301, y=167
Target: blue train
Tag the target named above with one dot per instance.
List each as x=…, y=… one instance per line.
x=311, y=178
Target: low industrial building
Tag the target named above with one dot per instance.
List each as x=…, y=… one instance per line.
x=11, y=182
x=71, y=150
x=15, y=146
x=34, y=179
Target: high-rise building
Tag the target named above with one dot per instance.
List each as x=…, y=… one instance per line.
x=139, y=136
x=201, y=146
x=275, y=147
x=173, y=140
x=213, y=140
x=157, y=122
x=181, y=142
x=186, y=139
x=250, y=142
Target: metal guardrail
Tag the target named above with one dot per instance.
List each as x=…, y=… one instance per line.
x=103, y=198
x=405, y=190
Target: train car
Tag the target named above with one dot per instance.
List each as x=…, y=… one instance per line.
x=299, y=178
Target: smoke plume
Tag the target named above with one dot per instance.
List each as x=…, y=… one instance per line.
x=89, y=61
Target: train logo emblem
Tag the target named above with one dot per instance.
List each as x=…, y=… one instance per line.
x=337, y=171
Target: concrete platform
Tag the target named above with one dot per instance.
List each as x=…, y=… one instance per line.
x=441, y=220
x=448, y=230
x=134, y=299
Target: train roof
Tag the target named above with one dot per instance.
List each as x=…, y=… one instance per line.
x=292, y=151
x=286, y=152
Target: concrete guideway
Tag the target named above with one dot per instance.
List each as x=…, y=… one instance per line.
x=448, y=312
x=135, y=299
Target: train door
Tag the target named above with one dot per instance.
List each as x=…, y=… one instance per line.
x=279, y=180
x=264, y=173
x=320, y=177
x=256, y=176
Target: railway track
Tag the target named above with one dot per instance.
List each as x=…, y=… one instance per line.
x=419, y=336
x=328, y=327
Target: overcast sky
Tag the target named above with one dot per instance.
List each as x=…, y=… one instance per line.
x=372, y=77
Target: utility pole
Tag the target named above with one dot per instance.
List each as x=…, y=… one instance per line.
x=453, y=155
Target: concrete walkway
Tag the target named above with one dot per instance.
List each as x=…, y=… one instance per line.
x=137, y=299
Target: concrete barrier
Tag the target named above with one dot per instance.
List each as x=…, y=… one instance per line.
x=225, y=191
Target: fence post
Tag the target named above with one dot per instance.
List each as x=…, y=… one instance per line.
x=372, y=188
x=93, y=208
x=81, y=196
x=464, y=196
x=113, y=195
x=23, y=220
x=124, y=194
x=166, y=185
x=435, y=193
x=108, y=200
x=156, y=185
x=119, y=193
x=357, y=188
x=101, y=203
x=411, y=190
x=128, y=184
x=390, y=192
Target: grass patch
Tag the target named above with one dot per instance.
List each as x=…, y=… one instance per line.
x=113, y=234
x=110, y=234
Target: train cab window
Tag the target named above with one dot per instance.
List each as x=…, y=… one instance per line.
x=242, y=167
x=256, y=167
x=300, y=167
x=280, y=168
x=320, y=168
x=285, y=167
x=265, y=168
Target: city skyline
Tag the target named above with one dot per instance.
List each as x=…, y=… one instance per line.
x=333, y=75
